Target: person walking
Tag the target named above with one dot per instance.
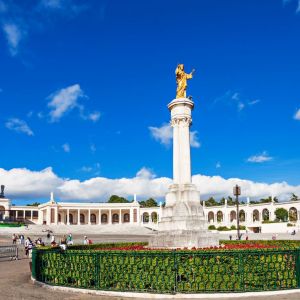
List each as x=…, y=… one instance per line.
x=28, y=245
x=14, y=239
x=86, y=240
x=70, y=239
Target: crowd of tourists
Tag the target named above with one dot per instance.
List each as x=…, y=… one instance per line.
x=65, y=240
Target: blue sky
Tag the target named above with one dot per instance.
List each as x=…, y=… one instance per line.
x=84, y=87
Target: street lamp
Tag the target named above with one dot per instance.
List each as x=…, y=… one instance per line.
x=237, y=193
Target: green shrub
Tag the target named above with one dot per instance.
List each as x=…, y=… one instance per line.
x=290, y=225
x=170, y=271
x=212, y=227
x=15, y=224
x=223, y=228
x=233, y=227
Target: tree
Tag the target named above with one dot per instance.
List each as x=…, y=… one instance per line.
x=211, y=202
x=266, y=200
x=281, y=214
x=148, y=203
x=117, y=199
x=34, y=204
x=294, y=197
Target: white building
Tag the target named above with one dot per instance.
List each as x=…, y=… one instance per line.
x=70, y=213
x=254, y=216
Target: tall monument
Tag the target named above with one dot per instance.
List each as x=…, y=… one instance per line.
x=182, y=223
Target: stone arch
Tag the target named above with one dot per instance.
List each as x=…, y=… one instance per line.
x=255, y=215
x=210, y=217
x=242, y=215
x=154, y=217
x=293, y=215
x=82, y=219
x=93, y=219
x=115, y=218
x=232, y=215
x=220, y=216
x=265, y=214
x=104, y=218
x=59, y=218
x=126, y=218
x=145, y=217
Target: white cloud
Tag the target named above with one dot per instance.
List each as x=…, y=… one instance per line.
x=95, y=169
x=13, y=35
x=67, y=99
x=52, y=4
x=93, y=148
x=297, y=2
x=64, y=101
x=260, y=158
x=27, y=184
x=18, y=125
x=236, y=99
x=86, y=169
x=164, y=135
x=94, y=116
x=194, y=139
x=253, y=102
x=66, y=147
x=145, y=173
x=297, y=115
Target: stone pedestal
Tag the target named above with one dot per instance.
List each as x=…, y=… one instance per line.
x=182, y=223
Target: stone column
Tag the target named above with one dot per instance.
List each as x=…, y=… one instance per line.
x=131, y=216
x=109, y=217
x=89, y=217
x=99, y=220
x=180, y=121
x=68, y=217
x=48, y=215
x=56, y=216
x=78, y=216
x=31, y=217
x=120, y=217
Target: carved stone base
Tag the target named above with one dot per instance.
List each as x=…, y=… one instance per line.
x=183, y=224
x=184, y=239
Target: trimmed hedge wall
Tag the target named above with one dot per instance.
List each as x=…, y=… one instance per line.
x=168, y=271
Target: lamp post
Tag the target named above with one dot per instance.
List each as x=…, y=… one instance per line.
x=237, y=193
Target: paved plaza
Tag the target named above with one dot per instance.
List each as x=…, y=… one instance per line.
x=16, y=284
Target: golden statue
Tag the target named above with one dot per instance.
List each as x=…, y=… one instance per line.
x=181, y=80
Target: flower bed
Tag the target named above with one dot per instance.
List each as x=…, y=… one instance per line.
x=236, y=267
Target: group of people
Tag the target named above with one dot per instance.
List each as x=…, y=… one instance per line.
x=65, y=241
x=18, y=239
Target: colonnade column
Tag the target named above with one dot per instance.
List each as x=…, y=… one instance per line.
x=78, y=217
x=55, y=216
x=109, y=217
x=89, y=217
x=68, y=216
x=120, y=217
x=131, y=216
x=31, y=215
x=99, y=220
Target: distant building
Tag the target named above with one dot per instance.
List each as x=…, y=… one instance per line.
x=72, y=213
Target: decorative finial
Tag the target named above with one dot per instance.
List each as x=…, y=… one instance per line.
x=134, y=197
x=52, y=197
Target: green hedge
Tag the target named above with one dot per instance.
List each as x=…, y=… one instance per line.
x=11, y=224
x=170, y=271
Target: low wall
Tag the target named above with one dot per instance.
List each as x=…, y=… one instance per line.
x=169, y=271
